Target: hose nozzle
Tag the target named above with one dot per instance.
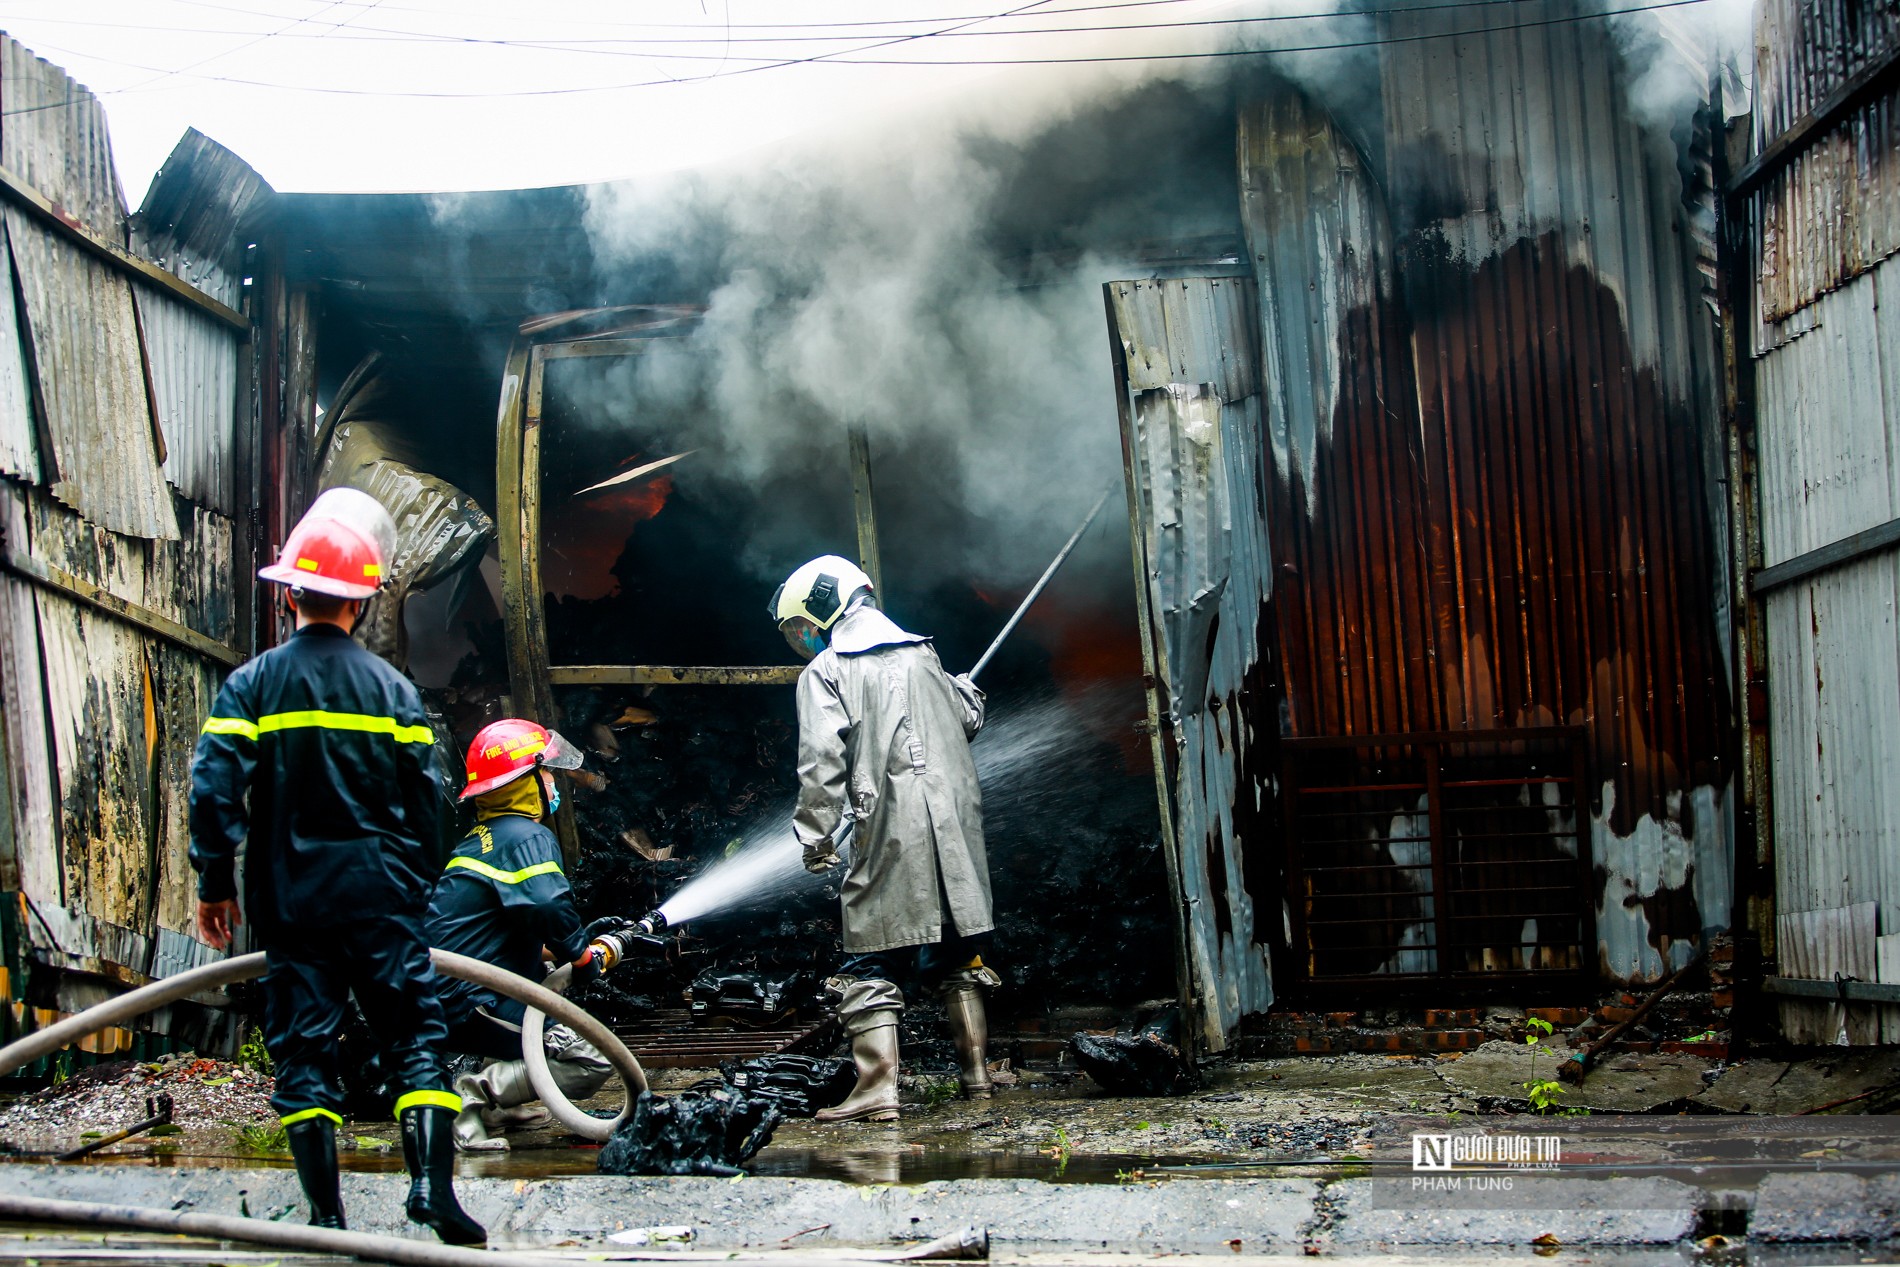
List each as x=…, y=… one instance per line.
x=652, y=923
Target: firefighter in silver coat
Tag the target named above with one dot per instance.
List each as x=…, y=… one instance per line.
x=884, y=741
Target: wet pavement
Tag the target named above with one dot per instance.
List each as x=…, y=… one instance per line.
x=1289, y=1157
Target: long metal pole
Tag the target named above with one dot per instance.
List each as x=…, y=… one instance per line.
x=1048, y=573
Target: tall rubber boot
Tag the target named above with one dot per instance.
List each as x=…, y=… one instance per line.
x=313, y=1147
x=970, y=1031
x=428, y=1149
x=874, y=1049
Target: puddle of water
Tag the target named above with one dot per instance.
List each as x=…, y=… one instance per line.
x=899, y=1164
x=921, y=1164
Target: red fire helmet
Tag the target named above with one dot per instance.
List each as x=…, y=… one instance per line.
x=507, y=749
x=341, y=546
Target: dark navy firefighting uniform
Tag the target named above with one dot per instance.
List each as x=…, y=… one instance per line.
x=333, y=748
x=501, y=898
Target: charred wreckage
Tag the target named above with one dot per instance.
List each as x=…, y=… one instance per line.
x=1479, y=632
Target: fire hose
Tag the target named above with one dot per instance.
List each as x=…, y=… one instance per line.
x=214, y=976
x=389, y=1249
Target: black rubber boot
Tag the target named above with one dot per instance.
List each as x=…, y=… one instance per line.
x=313, y=1145
x=428, y=1147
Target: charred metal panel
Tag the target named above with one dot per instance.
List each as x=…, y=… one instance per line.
x=1193, y=437
x=53, y=135
x=193, y=360
x=119, y=713
x=196, y=222
x=1828, y=416
x=1494, y=504
x=1834, y=211
x=198, y=214
x=439, y=528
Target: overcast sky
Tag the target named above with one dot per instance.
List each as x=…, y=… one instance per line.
x=475, y=94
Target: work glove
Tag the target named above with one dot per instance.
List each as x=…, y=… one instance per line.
x=607, y=924
x=587, y=969
x=821, y=856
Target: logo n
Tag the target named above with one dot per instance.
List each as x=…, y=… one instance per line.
x=1431, y=1152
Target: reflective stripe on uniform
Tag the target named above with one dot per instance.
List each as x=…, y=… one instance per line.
x=428, y=1100
x=304, y=1115
x=319, y=719
x=505, y=877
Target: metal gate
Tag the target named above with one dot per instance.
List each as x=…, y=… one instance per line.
x=1460, y=854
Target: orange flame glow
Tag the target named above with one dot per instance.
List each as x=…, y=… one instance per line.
x=586, y=538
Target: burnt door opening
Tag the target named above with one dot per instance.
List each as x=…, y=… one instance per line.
x=1457, y=856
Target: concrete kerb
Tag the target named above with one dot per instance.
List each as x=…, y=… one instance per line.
x=1181, y=1216
x=1512, y=1210
x=1826, y=1208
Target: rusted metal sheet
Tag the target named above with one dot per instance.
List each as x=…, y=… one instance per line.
x=1192, y=436
x=85, y=347
x=19, y=433
x=1493, y=496
x=53, y=136
x=1834, y=211
x=36, y=821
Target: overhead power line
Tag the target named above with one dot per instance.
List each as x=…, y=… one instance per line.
x=855, y=56
x=372, y=34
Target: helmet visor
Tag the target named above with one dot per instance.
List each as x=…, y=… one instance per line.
x=560, y=754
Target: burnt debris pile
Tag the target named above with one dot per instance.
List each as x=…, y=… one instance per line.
x=697, y=1132
x=1147, y=1062
x=799, y=1085
x=679, y=777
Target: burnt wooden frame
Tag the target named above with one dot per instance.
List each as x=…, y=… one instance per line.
x=518, y=507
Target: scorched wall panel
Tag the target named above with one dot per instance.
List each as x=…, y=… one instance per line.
x=1193, y=435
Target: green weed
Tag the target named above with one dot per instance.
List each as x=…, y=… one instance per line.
x=253, y=1055
x=939, y=1091
x=263, y=1137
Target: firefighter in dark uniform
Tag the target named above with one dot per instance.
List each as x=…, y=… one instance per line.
x=504, y=900
x=332, y=748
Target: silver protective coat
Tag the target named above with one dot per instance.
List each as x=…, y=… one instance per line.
x=884, y=730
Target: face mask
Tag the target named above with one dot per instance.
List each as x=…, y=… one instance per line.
x=802, y=638
x=552, y=792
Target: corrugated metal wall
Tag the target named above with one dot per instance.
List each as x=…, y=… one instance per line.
x=1834, y=211
x=1191, y=432
x=1827, y=378
x=1496, y=492
x=101, y=711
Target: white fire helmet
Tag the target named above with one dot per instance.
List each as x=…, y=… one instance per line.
x=819, y=591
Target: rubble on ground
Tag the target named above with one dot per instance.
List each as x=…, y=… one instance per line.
x=109, y=1097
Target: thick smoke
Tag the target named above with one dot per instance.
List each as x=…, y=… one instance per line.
x=935, y=280
x=1672, y=54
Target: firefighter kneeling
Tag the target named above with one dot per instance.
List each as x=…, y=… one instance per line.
x=501, y=899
